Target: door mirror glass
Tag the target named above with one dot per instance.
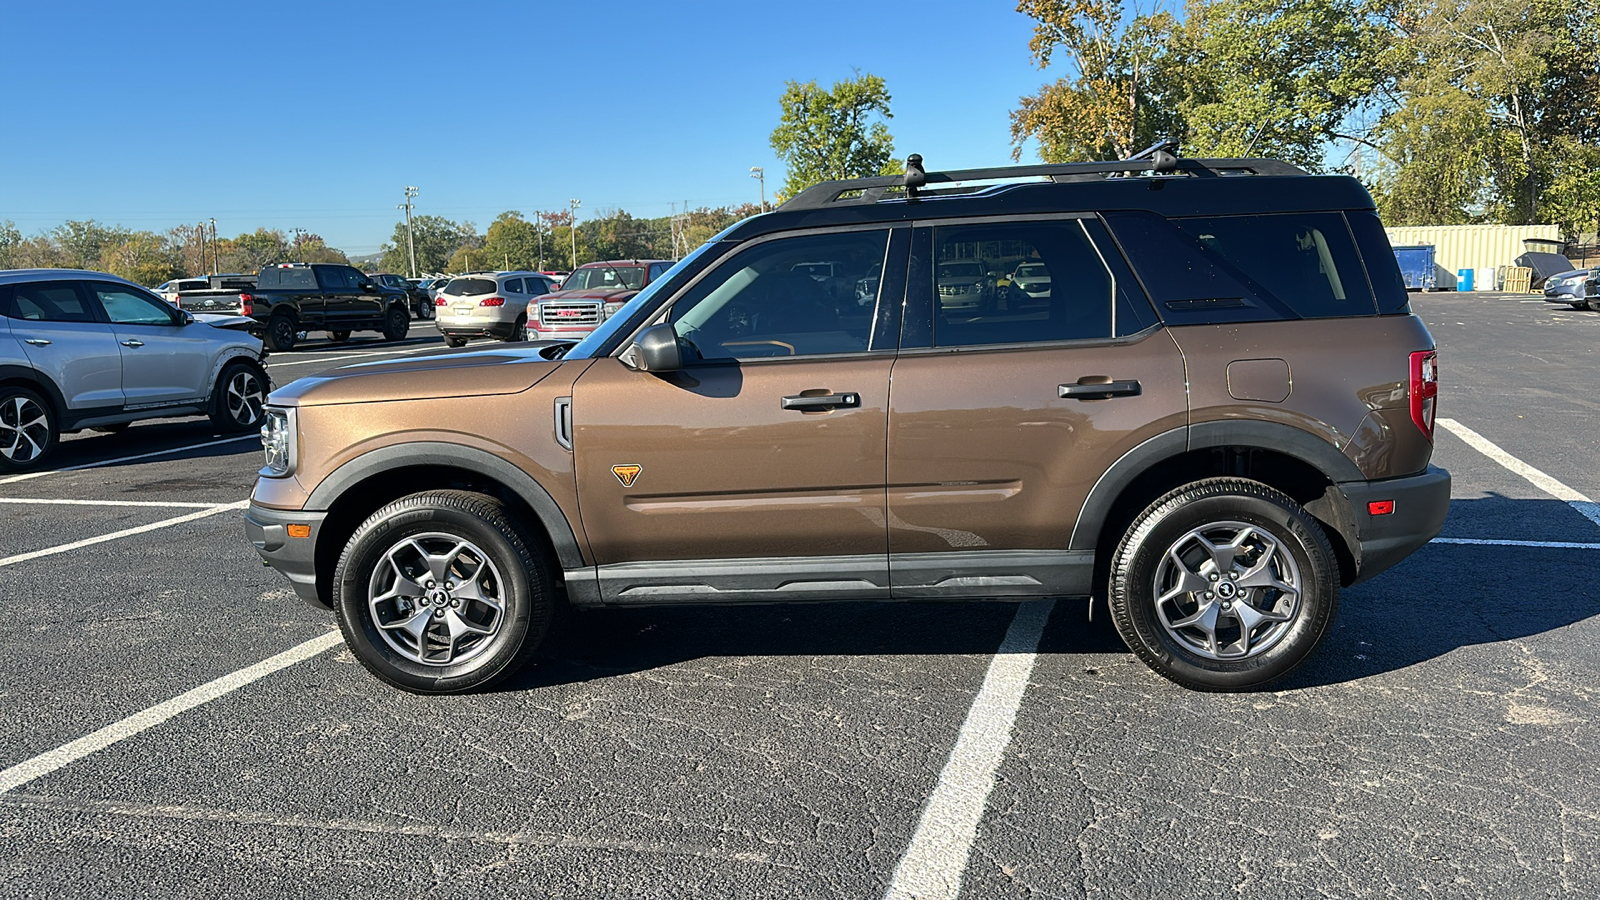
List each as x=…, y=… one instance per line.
x=656, y=350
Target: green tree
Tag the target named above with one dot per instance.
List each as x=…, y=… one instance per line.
x=437, y=239
x=1109, y=103
x=511, y=242
x=311, y=248
x=10, y=240
x=82, y=245
x=253, y=251
x=839, y=133
x=142, y=257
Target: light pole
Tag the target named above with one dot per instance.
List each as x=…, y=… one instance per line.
x=411, y=244
x=215, y=263
x=760, y=175
x=575, y=205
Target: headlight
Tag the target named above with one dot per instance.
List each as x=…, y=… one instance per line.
x=612, y=307
x=278, y=440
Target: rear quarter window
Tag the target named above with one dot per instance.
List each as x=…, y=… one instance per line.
x=1388, y=285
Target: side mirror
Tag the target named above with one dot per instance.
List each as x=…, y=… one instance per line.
x=185, y=317
x=656, y=350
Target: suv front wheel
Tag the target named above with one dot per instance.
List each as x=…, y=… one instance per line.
x=1223, y=585
x=439, y=593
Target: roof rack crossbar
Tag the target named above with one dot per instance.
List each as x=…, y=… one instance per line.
x=872, y=190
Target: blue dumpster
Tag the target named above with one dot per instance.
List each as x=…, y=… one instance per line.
x=1463, y=279
x=1416, y=266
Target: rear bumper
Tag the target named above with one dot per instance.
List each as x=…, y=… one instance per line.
x=1421, y=503
x=294, y=558
x=478, y=329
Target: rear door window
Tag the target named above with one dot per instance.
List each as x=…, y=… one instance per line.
x=1307, y=261
x=514, y=285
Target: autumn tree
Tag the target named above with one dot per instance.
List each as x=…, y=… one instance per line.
x=824, y=135
x=511, y=242
x=1108, y=104
x=436, y=238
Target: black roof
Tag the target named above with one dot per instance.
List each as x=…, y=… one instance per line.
x=1193, y=187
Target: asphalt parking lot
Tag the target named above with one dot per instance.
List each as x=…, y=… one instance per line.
x=178, y=724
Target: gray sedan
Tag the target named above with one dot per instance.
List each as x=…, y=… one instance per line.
x=89, y=350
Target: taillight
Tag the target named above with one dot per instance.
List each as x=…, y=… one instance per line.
x=439, y=301
x=492, y=301
x=1424, y=389
x=246, y=304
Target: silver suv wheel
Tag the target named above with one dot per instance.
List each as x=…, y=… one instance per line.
x=436, y=599
x=1227, y=590
x=244, y=397
x=26, y=433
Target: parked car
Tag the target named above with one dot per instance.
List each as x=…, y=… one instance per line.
x=168, y=290
x=731, y=437
x=1029, y=281
x=421, y=304
x=1570, y=288
x=82, y=349
x=964, y=284
x=490, y=304
x=291, y=298
x=592, y=293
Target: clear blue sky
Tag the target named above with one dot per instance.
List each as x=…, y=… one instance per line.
x=315, y=115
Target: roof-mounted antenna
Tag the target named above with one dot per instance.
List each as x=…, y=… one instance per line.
x=1163, y=154
x=915, y=176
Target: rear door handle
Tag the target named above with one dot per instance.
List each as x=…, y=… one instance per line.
x=132, y=343
x=1105, y=390
x=826, y=401
x=37, y=342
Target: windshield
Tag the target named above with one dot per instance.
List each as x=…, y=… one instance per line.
x=470, y=287
x=961, y=270
x=605, y=278
x=616, y=321
x=1032, y=270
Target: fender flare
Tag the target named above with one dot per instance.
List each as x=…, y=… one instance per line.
x=1309, y=448
x=65, y=417
x=439, y=453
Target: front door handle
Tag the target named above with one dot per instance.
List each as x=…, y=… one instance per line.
x=1104, y=390
x=37, y=342
x=823, y=402
x=132, y=343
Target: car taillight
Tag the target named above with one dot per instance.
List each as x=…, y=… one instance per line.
x=246, y=304
x=439, y=301
x=492, y=301
x=1424, y=389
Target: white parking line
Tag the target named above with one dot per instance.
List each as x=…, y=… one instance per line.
x=1535, y=477
x=45, y=763
x=122, y=459
x=934, y=863
x=1482, y=542
x=151, y=503
x=126, y=532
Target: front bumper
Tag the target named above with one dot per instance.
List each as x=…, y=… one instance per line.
x=1421, y=503
x=294, y=558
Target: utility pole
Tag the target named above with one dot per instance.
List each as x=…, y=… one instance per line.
x=760, y=175
x=215, y=262
x=575, y=205
x=538, y=228
x=411, y=244
x=200, y=232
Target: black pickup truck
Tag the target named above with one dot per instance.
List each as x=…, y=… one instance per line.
x=290, y=298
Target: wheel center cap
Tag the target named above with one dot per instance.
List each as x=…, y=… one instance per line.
x=438, y=596
x=1227, y=590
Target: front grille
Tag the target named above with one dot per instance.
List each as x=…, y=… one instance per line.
x=564, y=314
x=956, y=290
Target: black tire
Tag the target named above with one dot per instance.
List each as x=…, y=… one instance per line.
x=454, y=341
x=238, y=399
x=396, y=323
x=118, y=428
x=281, y=334
x=519, y=330
x=28, y=429
x=1160, y=546
x=500, y=562
x=1592, y=304
x=424, y=309
x=339, y=337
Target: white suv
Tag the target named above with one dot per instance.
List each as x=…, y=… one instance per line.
x=488, y=304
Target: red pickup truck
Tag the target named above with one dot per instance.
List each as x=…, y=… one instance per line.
x=590, y=295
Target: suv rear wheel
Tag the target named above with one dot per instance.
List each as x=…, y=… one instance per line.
x=439, y=593
x=282, y=332
x=1223, y=585
x=27, y=429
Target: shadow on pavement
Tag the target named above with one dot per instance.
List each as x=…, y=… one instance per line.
x=1444, y=597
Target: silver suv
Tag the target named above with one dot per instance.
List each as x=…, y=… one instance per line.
x=90, y=350
x=488, y=304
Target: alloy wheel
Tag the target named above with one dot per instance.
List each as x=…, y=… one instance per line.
x=436, y=599
x=24, y=429
x=245, y=398
x=1227, y=590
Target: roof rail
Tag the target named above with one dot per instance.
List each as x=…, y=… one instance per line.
x=1159, y=158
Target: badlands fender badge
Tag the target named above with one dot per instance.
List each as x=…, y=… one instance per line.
x=627, y=474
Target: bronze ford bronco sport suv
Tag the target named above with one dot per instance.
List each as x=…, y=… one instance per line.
x=1222, y=412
